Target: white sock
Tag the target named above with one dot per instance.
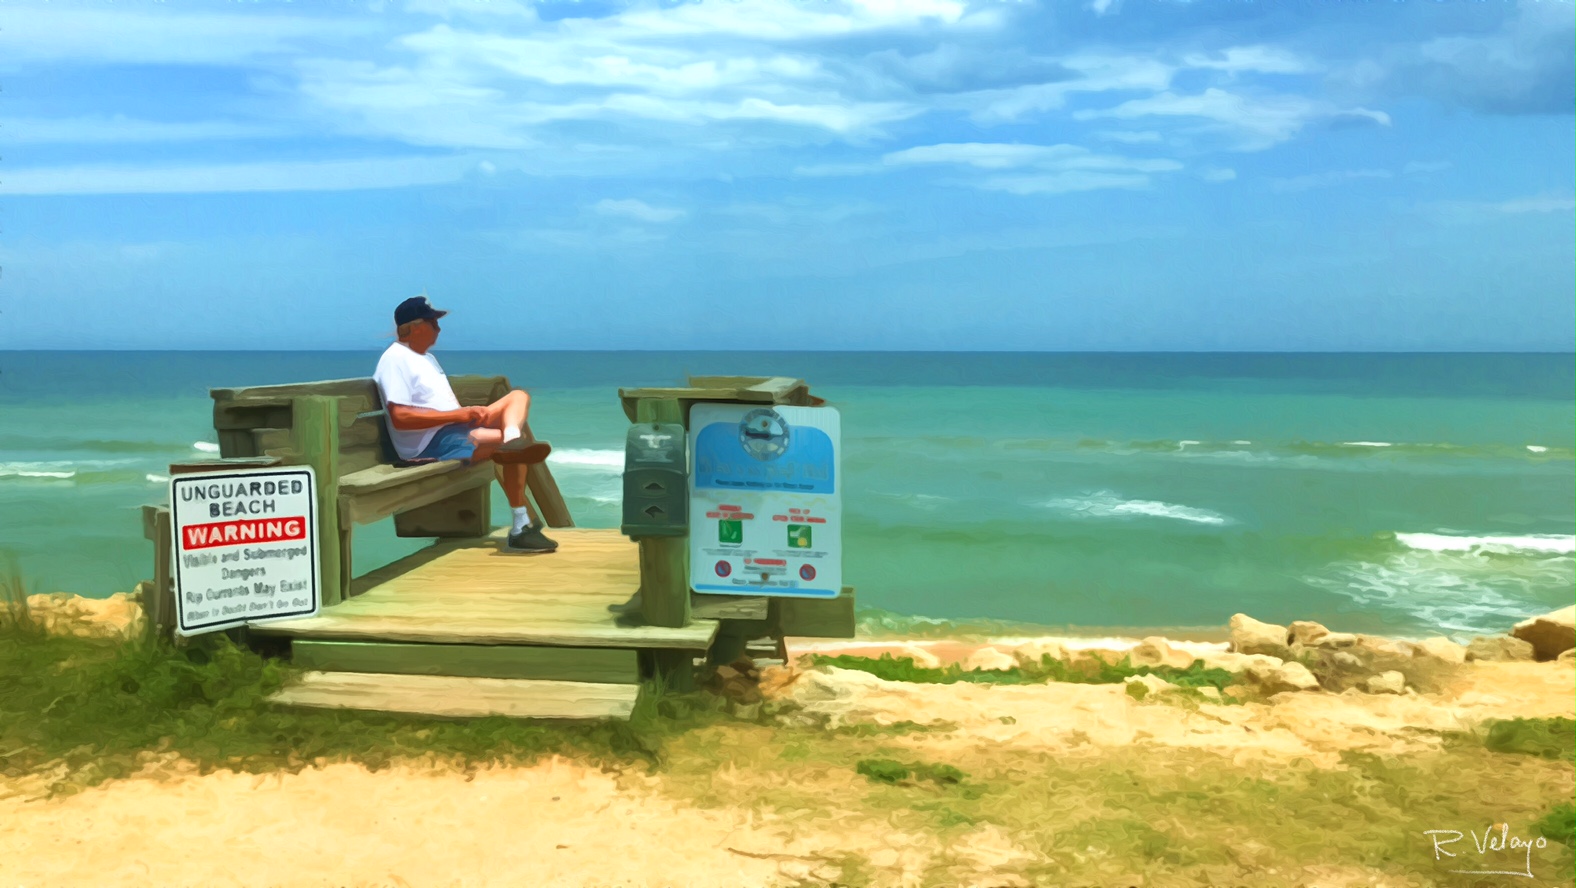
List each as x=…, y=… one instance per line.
x=522, y=519
x=509, y=434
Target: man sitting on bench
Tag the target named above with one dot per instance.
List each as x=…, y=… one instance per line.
x=426, y=421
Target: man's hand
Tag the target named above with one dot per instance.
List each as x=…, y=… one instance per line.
x=474, y=415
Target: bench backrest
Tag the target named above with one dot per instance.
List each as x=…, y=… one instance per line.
x=256, y=421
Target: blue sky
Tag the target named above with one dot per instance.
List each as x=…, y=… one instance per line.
x=790, y=174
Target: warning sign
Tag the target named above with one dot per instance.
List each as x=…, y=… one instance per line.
x=765, y=500
x=245, y=548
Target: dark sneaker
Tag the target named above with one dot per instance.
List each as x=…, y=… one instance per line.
x=531, y=540
x=523, y=451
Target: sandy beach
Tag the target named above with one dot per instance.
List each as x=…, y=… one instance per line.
x=770, y=797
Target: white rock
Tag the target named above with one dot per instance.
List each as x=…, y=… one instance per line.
x=1551, y=634
x=1441, y=648
x=1499, y=648
x=923, y=659
x=1336, y=640
x=989, y=659
x=1237, y=662
x=1249, y=636
x=1034, y=650
x=1291, y=676
x=1306, y=632
x=1156, y=651
x=1391, y=682
x=1351, y=661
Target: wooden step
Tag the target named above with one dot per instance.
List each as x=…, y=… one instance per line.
x=521, y=625
x=605, y=665
x=453, y=696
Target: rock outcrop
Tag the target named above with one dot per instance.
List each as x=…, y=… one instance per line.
x=1391, y=682
x=1249, y=636
x=1499, y=648
x=1551, y=634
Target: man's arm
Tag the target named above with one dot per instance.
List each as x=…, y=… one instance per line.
x=410, y=419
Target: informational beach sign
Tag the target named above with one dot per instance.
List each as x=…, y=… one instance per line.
x=245, y=548
x=766, y=500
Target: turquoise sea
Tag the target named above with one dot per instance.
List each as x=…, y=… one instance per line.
x=1408, y=494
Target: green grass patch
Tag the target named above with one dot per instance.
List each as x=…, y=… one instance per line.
x=1558, y=825
x=1553, y=738
x=1086, y=671
x=98, y=706
x=883, y=770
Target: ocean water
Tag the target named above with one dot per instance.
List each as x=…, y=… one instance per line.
x=1407, y=494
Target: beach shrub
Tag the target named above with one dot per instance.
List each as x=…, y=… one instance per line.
x=93, y=709
x=1553, y=738
x=1088, y=671
x=1559, y=825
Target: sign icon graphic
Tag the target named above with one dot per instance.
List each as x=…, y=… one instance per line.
x=730, y=531
x=798, y=536
x=724, y=568
x=763, y=434
x=806, y=572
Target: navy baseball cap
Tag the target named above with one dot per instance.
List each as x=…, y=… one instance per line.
x=416, y=308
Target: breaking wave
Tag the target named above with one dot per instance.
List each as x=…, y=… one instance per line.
x=1108, y=505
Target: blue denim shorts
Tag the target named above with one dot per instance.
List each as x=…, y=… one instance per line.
x=451, y=442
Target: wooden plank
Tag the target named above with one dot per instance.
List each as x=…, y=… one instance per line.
x=477, y=391
x=773, y=391
x=161, y=602
x=252, y=415
x=461, y=697
x=237, y=443
x=543, y=488
x=314, y=423
x=816, y=618
x=447, y=479
x=728, y=382
x=733, y=607
x=609, y=665
x=695, y=637
x=465, y=514
x=191, y=466
x=271, y=441
x=386, y=477
x=361, y=386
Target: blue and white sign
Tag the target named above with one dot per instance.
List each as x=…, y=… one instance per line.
x=766, y=505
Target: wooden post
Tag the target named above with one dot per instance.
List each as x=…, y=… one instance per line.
x=664, y=574
x=314, y=429
x=160, y=606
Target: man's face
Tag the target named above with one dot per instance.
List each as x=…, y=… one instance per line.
x=424, y=333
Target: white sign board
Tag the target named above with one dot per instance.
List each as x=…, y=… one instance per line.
x=245, y=547
x=766, y=503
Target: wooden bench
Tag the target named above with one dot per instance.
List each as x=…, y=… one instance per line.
x=338, y=428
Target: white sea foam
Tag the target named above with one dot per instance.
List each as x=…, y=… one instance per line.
x=1366, y=444
x=1536, y=449
x=51, y=469
x=1187, y=443
x=205, y=447
x=157, y=479
x=600, y=459
x=1550, y=543
x=1458, y=590
x=1108, y=505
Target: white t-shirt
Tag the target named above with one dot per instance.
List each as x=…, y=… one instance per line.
x=413, y=380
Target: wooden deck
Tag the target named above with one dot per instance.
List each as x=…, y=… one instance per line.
x=476, y=592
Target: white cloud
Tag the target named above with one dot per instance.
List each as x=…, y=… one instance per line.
x=338, y=175
x=995, y=156
x=160, y=35
x=1253, y=123
x=1061, y=183
x=1541, y=204
x=1220, y=175
x=1129, y=138
x=636, y=209
x=1258, y=59
x=1094, y=74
